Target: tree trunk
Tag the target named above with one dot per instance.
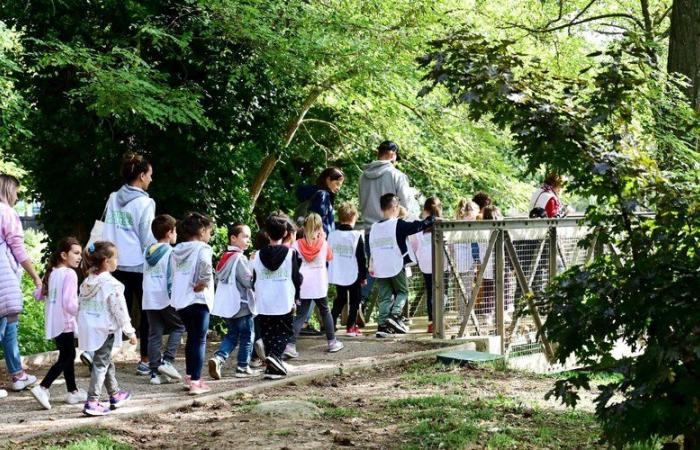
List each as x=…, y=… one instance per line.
x=684, y=46
x=691, y=441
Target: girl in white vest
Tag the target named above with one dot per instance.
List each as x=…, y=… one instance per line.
x=193, y=293
x=60, y=293
x=316, y=253
x=128, y=218
x=102, y=318
x=348, y=268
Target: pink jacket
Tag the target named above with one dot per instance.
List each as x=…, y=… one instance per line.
x=12, y=254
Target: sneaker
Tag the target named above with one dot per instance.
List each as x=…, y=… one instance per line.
x=309, y=331
x=383, y=331
x=246, y=372
x=215, y=364
x=260, y=349
x=42, y=396
x=142, y=369
x=256, y=362
x=199, y=387
x=431, y=328
x=167, y=369
x=22, y=381
x=396, y=324
x=335, y=346
x=3, y=393
x=276, y=365
x=79, y=396
x=119, y=399
x=290, y=351
x=187, y=382
x=405, y=320
x=155, y=379
x=94, y=408
x=350, y=332
x=86, y=358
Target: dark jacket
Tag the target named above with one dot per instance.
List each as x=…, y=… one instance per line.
x=321, y=203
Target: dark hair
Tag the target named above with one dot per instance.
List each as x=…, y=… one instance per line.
x=482, y=199
x=490, y=213
x=162, y=225
x=64, y=246
x=554, y=180
x=387, y=147
x=236, y=229
x=133, y=165
x=262, y=240
x=333, y=173
x=95, y=254
x=276, y=227
x=434, y=206
x=293, y=228
x=192, y=224
x=387, y=201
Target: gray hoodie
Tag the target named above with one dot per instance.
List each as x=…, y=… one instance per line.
x=379, y=178
x=126, y=194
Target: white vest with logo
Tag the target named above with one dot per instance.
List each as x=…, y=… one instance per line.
x=424, y=252
x=155, y=283
x=315, y=273
x=55, y=318
x=184, y=273
x=94, y=319
x=274, y=289
x=387, y=259
x=227, y=299
x=343, y=269
x=121, y=228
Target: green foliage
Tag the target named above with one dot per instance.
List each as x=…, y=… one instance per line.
x=626, y=136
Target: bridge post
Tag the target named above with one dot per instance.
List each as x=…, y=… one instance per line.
x=438, y=249
x=500, y=289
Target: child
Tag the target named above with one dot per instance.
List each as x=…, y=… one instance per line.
x=102, y=318
x=232, y=302
x=157, y=274
x=60, y=291
x=277, y=282
x=348, y=268
x=316, y=254
x=387, y=241
x=424, y=255
x=193, y=293
x=462, y=253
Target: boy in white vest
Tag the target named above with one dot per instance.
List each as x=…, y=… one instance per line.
x=157, y=279
x=277, y=284
x=387, y=241
x=348, y=268
x=234, y=302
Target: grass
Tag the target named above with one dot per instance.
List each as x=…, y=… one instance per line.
x=85, y=438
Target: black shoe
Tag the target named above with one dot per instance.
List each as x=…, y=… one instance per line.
x=384, y=331
x=275, y=369
x=310, y=331
x=396, y=324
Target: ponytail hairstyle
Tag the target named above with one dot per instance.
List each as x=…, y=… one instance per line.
x=133, y=165
x=192, y=225
x=312, y=225
x=95, y=254
x=64, y=246
x=433, y=205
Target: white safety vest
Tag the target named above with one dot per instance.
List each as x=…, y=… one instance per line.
x=463, y=258
x=343, y=269
x=274, y=289
x=155, y=283
x=184, y=272
x=488, y=270
x=94, y=319
x=387, y=259
x=55, y=318
x=227, y=298
x=424, y=253
x=315, y=273
x=121, y=228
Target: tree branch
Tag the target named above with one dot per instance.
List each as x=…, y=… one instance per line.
x=579, y=22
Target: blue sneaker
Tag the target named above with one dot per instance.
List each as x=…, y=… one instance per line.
x=143, y=369
x=119, y=399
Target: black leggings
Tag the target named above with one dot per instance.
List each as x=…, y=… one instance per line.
x=133, y=292
x=275, y=332
x=66, y=357
x=352, y=293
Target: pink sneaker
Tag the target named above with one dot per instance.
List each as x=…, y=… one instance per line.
x=119, y=399
x=199, y=387
x=187, y=382
x=94, y=408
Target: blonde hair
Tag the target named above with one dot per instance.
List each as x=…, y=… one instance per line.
x=346, y=212
x=8, y=189
x=403, y=212
x=464, y=206
x=312, y=224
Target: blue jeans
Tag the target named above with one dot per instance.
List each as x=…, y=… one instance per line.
x=196, y=320
x=239, y=331
x=10, y=346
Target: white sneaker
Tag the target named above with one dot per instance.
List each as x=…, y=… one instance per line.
x=155, y=379
x=246, y=372
x=22, y=382
x=169, y=370
x=73, y=398
x=335, y=346
x=290, y=351
x=215, y=364
x=3, y=393
x=42, y=396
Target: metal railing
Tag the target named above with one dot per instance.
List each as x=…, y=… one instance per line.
x=490, y=271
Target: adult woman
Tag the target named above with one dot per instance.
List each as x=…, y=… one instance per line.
x=128, y=218
x=12, y=256
x=545, y=200
x=322, y=195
